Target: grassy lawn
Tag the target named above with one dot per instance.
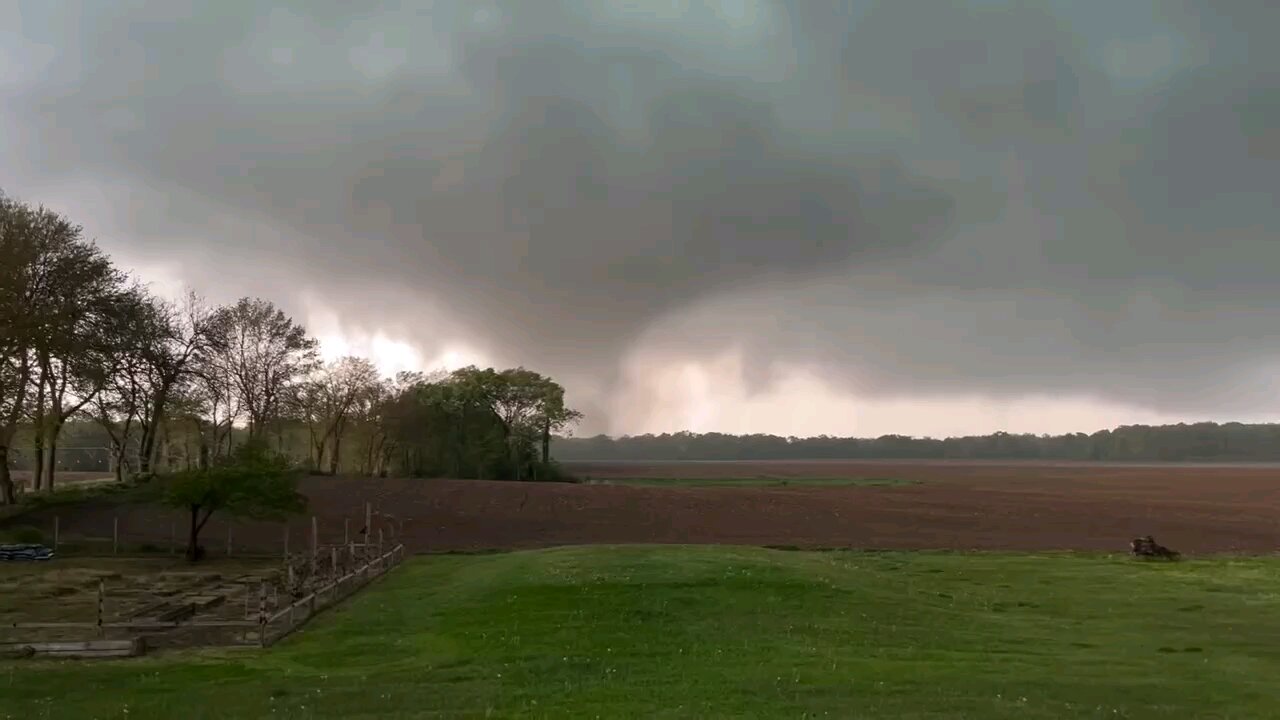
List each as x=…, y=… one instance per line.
x=698, y=632
x=757, y=481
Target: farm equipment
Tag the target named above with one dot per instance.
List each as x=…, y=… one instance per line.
x=1147, y=546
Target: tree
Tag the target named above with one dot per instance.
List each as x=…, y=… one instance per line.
x=328, y=399
x=88, y=352
x=262, y=352
x=120, y=406
x=253, y=482
x=526, y=404
x=62, y=304
x=179, y=332
x=22, y=279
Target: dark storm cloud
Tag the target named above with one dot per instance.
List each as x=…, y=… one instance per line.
x=986, y=197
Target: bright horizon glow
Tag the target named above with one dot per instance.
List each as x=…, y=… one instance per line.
x=709, y=396
x=393, y=355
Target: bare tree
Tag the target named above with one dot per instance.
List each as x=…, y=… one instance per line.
x=179, y=332
x=212, y=403
x=329, y=400
x=117, y=409
x=262, y=352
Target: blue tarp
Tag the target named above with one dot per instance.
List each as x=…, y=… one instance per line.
x=25, y=552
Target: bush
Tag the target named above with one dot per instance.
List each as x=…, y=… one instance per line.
x=551, y=471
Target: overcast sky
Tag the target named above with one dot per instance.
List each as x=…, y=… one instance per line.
x=740, y=215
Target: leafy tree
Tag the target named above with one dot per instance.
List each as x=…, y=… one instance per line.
x=252, y=482
x=477, y=422
x=63, y=305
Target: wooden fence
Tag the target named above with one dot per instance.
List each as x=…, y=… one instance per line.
x=273, y=627
x=268, y=628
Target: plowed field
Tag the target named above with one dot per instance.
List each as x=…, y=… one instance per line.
x=1012, y=506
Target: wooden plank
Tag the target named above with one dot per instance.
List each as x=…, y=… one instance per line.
x=138, y=625
x=63, y=646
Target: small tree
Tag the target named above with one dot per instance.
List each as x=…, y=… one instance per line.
x=253, y=482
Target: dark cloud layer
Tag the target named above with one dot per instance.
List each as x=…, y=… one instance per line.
x=987, y=197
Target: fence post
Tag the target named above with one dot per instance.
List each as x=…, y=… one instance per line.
x=102, y=591
x=173, y=536
x=55, y=533
x=286, y=541
x=346, y=530
x=315, y=547
x=379, y=542
x=228, y=539
x=115, y=535
x=333, y=560
x=262, y=615
x=368, y=522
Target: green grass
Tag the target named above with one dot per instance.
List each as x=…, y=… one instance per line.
x=700, y=632
x=757, y=481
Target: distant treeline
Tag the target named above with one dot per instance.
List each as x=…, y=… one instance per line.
x=1167, y=443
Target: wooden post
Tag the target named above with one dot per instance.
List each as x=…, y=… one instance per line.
x=115, y=535
x=346, y=530
x=333, y=560
x=286, y=541
x=315, y=543
x=379, y=542
x=262, y=615
x=102, y=591
x=368, y=523
x=55, y=533
x=228, y=540
x=173, y=537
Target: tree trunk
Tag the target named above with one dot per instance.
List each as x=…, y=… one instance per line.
x=38, y=430
x=197, y=524
x=6, y=481
x=37, y=466
x=319, y=462
x=50, y=467
x=193, y=539
x=546, y=441
x=335, y=458
x=147, y=444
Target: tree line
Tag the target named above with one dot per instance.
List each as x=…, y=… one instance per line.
x=1129, y=443
x=87, y=350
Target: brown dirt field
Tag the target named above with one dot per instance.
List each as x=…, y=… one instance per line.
x=956, y=505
